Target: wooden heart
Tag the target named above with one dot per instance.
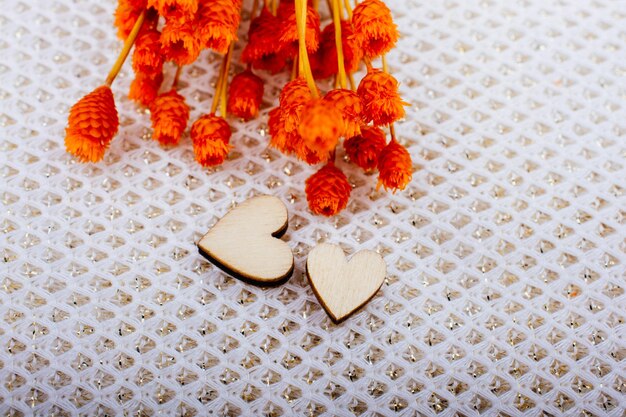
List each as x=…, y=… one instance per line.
x=343, y=287
x=246, y=243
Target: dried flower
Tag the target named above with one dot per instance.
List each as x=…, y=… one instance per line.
x=179, y=42
x=328, y=190
x=324, y=61
x=374, y=30
x=169, y=114
x=379, y=95
x=144, y=88
x=261, y=51
x=288, y=38
x=364, y=149
x=92, y=124
x=348, y=104
x=126, y=15
x=174, y=8
x=147, y=57
x=245, y=95
x=394, y=166
x=294, y=95
x=320, y=127
x=210, y=135
x=218, y=21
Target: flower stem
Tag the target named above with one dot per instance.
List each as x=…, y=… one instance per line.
x=341, y=68
x=348, y=7
x=128, y=44
x=304, y=65
x=179, y=70
x=224, y=90
x=218, y=87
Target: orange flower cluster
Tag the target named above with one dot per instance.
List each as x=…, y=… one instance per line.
x=282, y=35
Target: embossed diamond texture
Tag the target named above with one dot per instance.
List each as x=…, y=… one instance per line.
x=506, y=254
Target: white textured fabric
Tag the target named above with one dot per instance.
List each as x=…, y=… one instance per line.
x=506, y=254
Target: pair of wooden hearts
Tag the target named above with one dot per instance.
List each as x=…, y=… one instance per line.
x=246, y=243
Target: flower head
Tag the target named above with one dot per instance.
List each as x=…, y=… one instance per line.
x=179, y=42
x=210, y=135
x=294, y=95
x=348, y=104
x=394, y=167
x=261, y=51
x=169, y=114
x=92, y=123
x=147, y=57
x=320, y=127
x=288, y=37
x=245, y=94
x=364, y=149
x=324, y=61
x=382, y=104
x=328, y=190
x=218, y=21
x=126, y=15
x=145, y=88
x=374, y=30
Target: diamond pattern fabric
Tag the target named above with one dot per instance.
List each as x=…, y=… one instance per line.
x=506, y=254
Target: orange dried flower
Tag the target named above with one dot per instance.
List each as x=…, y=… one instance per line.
x=261, y=51
x=374, y=30
x=147, y=57
x=394, y=167
x=381, y=102
x=245, y=94
x=348, y=104
x=144, y=89
x=328, y=190
x=320, y=127
x=210, y=135
x=92, y=124
x=174, y=8
x=179, y=42
x=364, y=149
x=218, y=21
x=288, y=38
x=126, y=15
x=169, y=114
x=324, y=61
x=294, y=95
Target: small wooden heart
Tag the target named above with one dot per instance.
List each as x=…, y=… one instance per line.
x=246, y=244
x=341, y=286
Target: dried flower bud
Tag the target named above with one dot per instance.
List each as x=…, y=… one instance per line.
x=147, y=57
x=245, y=94
x=320, y=127
x=324, y=61
x=218, y=21
x=379, y=95
x=144, y=88
x=261, y=51
x=374, y=30
x=92, y=124
x=126, y=15
x=210, y=135
x=394, y=167
x=328, y=190
x=288, y=38
x=348, y=104
x=179, y=42
x=169, y=114
x=365, y=148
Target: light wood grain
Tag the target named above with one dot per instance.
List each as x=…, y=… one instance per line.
x=245, y=242
x=342, y=286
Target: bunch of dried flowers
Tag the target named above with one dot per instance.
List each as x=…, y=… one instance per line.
x=282, y=35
